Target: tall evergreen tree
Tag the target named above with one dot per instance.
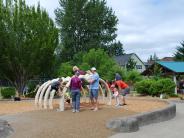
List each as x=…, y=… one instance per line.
x=179, y=55
x=86, y=24
x=131, y=64
x=28, y=38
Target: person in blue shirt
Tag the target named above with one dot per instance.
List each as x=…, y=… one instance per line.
x=94, y=87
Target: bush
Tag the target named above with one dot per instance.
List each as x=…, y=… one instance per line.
x=163, y=86
x=31, y=95
x=8, y=92
x=143, y=87
x=174, y=95
x=167, y=86
x=155, y=87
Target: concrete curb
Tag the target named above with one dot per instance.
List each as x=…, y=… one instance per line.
x=5, y=129
x=132, y=123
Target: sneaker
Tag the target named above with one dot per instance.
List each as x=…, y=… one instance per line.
x=77, y=111
x=117, y=105
x=92, y=108
x=96, y=109
x=122, y=104
x=73, y=111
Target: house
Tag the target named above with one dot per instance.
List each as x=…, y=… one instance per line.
x=123, y=61
x=167, y=59
x=151, y=62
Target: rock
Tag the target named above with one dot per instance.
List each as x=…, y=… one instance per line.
x=5, y=129
x=123, y=124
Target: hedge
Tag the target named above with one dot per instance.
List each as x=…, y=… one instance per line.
x=155, y=87
x=8, y=92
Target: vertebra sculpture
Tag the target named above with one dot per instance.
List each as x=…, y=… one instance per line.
x=44, y=96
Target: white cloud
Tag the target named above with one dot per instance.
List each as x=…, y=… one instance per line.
x=145, y=26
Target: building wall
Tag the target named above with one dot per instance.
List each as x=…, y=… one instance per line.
x=139, y=65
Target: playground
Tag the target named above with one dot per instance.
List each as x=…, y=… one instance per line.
x=29, y=121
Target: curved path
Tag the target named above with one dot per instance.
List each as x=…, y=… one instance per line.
x=169, y=129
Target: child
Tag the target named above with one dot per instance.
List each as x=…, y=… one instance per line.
x=112, y=86
x=116, y=95
x=67, y=97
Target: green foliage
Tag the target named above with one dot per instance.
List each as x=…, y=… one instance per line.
x=179, y=55
x=131, y=64
x=143, y=87
x=8, y=92
x=65, y=70
x=165, y=86
x=31, y=86
x=106, y=66
x=157, y=71
x=31, y=95
x=133, y=76
x=155, y=87
x=173, y=95
x=85, y=66
x=28, y=38
x=86, y=24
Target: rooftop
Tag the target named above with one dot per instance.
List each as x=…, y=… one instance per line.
x=177, y=67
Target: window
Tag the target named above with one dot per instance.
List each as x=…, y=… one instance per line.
x=138, y=66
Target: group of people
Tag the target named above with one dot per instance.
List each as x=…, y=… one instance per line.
x=119, y=89
x=76, y=86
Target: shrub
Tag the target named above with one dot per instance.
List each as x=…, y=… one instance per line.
x=31, y=94
x=166, y=86
x=143, y=87
x=8, y=92
x=174, y=95
x=155, y=87
x=163, y=86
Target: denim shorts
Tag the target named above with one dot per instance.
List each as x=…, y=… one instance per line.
x=125, y=91
x=93, y=93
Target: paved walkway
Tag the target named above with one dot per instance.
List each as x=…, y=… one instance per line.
x=173, y=128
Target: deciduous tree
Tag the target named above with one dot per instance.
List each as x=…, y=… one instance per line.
x=28, y=38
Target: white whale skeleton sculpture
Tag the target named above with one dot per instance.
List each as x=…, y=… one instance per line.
x=44, y=96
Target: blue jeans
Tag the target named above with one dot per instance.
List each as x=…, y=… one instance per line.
x=76, y=99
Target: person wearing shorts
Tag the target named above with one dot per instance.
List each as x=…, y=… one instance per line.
x=94, y=87
x=123, y=90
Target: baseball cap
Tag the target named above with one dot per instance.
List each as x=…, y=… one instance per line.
x=93, y=68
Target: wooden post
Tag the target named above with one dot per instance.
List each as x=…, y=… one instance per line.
x=175, y=81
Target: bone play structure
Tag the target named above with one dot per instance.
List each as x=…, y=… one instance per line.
x=44, y=96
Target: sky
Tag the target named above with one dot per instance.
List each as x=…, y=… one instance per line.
x=145, y=27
